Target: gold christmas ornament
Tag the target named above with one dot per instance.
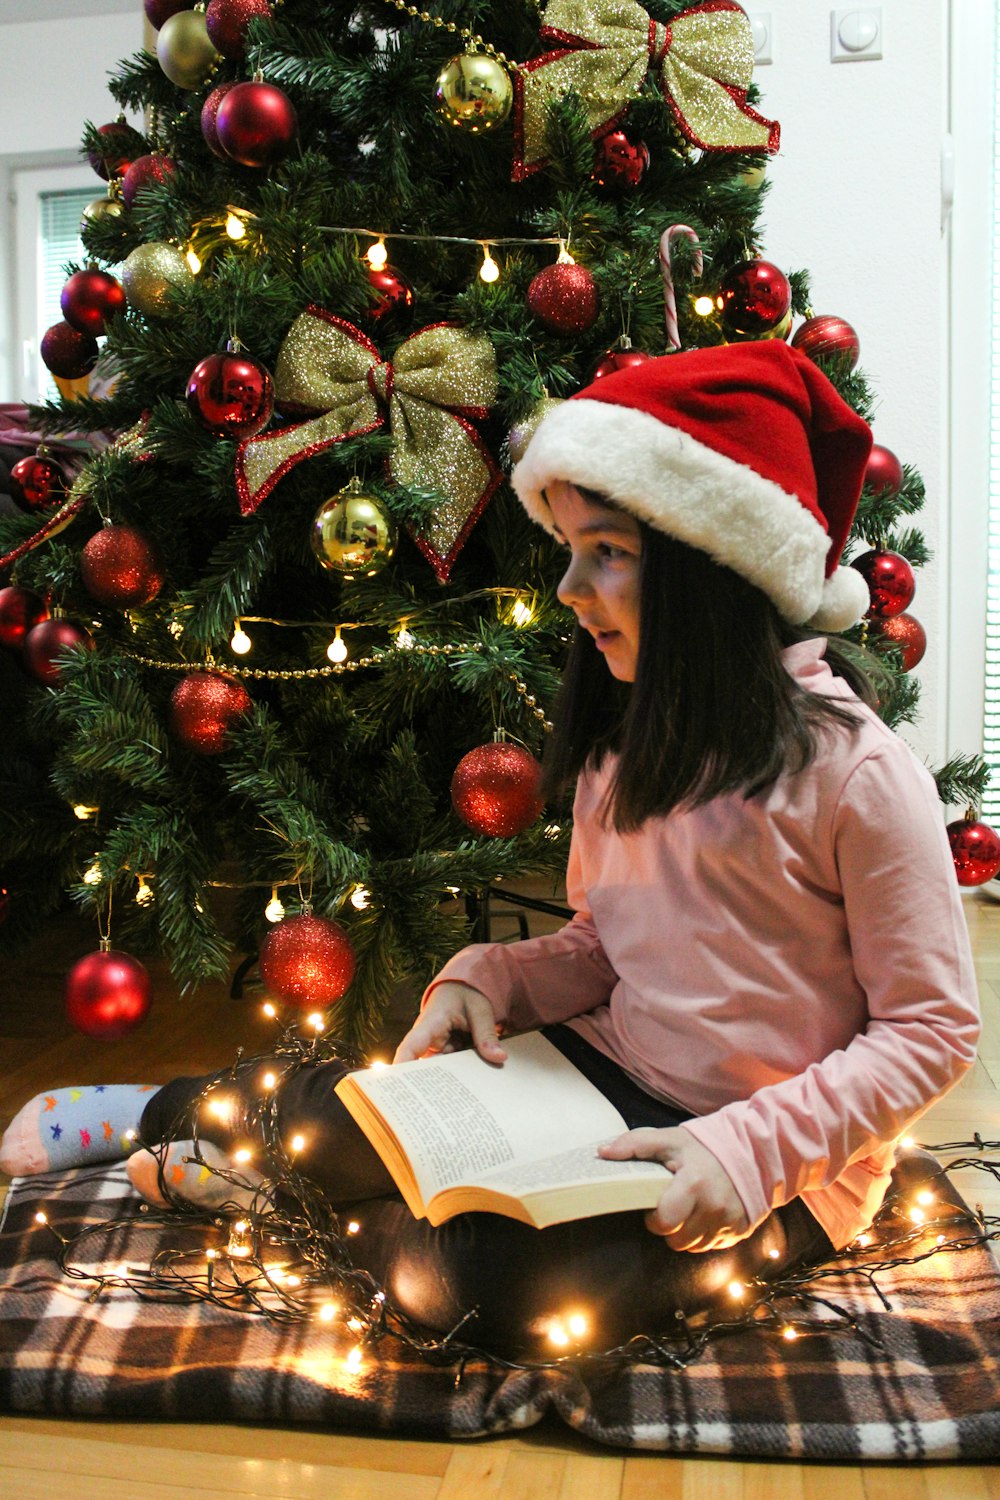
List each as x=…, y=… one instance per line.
x=184, y=49
x=522, y=432
x=108, y=207
x=152, y=274
x=473, y=92
x=352, y=534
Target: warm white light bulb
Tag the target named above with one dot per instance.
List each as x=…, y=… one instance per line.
x=328, y=1312
x=297, y=1143
x=83, y=812
x=274, y=910
x=378, y=255
x=353, y=1360
x=235, y=227
x=93, y=875
x=194, y=261
x=360, y=898
x=564, y=258
x=404, y=640
x=522, y=613
x=354, y=1227
x=577, y=1325
x=704, y=306
x=240, y=642
x=489, y=271
x=269, y=1080
x=269, y=1010
x=337, y=649
x=144, y=896
x=317, y=1022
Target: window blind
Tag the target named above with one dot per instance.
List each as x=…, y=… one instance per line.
x=991, y=722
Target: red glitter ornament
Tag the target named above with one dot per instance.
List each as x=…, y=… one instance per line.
x=883, y=472
x=108, y=994
x=37, y=483
x=975, y=848
x=119, y=146
x=90, y=299
x=906, y=634
x=204, y=707
x=68, y=353
x=20, y=611
x=828, y=337
x=231, y=395
x=146, y=171
x=227, y=22
x=44, y=643
x=620, y=163
x=120, y=566
x=890, y=582
x=756, y=297
x=158, y=11
x=209, y=111
x=563, y=297
x=256, y=124
x=495, y=789
x=395, y=294
x=307, y=962
x=624, y=358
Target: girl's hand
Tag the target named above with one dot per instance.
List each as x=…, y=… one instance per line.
x=699, y=1209
x=454, y=1009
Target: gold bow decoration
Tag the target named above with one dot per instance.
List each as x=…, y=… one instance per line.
x=441, y=380
x=702, y=60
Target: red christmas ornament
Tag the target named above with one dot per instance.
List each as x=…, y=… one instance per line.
x=209, y=112
x=108, y=995
x=828, y=337
x=231, y=395
x=618, y=359
x=20, y=611
x=495, y=789
x=395, y=294
x=563, y=297
x=307, y=962
x=620, y=163
x=67, y=352
x=883, y=472
x=44, y=643
x=37, y=483
x=756, y=297
x=906, y=634
x=890, y=582
x=256, y=124
x=119, y=146
x=145, y=172
x=227, y=20
x=120, y=566
x=204, y=706
x=975, y=848
x=90, y=299
x=158, y=11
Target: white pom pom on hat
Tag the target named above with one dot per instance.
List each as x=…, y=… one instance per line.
x=745, y=451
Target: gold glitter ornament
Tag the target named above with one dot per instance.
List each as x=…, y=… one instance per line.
x=151, y=276
x=473, y=92
x=522, y=432
x=184, y=50
x=351, y=533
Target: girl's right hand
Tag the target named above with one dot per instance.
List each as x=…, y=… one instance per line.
x=454, y=1010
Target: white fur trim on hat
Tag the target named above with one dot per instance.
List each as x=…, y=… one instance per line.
x=667, y=478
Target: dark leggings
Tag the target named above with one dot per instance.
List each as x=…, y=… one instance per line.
x=513, y=1278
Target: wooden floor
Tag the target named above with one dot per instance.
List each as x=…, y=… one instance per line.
x=148, y=1461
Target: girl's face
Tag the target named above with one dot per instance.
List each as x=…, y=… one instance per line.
x=601, y=582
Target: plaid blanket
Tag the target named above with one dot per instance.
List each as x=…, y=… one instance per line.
x=923, y=1382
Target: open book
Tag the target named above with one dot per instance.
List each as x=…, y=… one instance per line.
x=459, y=1135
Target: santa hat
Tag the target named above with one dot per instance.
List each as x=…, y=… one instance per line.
x=744, y=451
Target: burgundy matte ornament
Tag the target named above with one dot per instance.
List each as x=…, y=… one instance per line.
x=621, y=358
x=37, y=483
x=905, y=633
x=146, y=171
x=20, y=611
x=620, y=163
x=67, y=352
x=120, y=144
x=890, y=582
x=828, y=337
x=231, y=395
x=495, y=789
x=209, y=111
x=120, y=566
x=108, y=994
x=395, y=294
x=756, y=297
x=204, y=707
x=227, y=22
x=307, y=962
x=158, y=11
x=883, y=472
x=44, y=642
x=564, y=298
x=90, y=299
x=975, y=848
x=256, y=124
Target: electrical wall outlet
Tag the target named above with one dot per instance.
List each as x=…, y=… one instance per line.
x=760, y=26
x=856, y=34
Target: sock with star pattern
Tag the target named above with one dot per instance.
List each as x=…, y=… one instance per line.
x=74, y=1127
x=173, y=1170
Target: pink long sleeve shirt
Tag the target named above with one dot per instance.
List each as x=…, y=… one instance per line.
x=793, y=969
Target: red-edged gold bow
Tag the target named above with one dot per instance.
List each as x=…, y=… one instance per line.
x=440, y=381
x=703, y=62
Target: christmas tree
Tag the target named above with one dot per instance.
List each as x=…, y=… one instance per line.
x=356, y=253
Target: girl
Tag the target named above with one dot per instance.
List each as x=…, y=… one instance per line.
x=767, y=970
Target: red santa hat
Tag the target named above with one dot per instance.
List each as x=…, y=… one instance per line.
x=745, y=451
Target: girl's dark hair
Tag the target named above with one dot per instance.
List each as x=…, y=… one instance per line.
x=713, y=710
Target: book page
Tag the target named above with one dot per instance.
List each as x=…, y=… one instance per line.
x=581, y=1164
x=459, y=1118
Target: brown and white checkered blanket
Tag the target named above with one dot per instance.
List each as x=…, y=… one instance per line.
x=924, y=1385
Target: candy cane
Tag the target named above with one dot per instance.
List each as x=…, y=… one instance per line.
x=669, y=300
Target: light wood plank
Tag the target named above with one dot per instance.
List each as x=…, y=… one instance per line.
x=660, y=1478
x=832, y=1482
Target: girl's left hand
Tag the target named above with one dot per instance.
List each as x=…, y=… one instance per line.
x=700, y=1208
